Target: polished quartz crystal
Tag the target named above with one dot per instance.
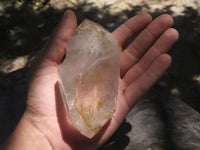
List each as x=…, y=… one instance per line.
x=89, y=77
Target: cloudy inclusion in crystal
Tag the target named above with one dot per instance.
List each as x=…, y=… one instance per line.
x=89, y=77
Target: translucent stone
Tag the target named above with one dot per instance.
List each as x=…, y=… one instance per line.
x=89, y=77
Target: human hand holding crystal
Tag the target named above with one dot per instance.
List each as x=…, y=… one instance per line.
x=44, y=124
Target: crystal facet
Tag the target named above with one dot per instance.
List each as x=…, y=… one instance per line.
x=89, y=77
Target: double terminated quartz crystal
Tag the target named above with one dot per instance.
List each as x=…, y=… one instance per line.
x=89, y=77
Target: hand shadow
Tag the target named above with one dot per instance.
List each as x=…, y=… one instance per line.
x=71, y=135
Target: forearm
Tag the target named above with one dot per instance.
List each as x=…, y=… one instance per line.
x=27, y=137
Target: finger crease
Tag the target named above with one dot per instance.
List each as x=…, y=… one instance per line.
x=139, y=69
x=156, y=50
x=132, y=48
x=154, y=74
x=151, y=33
x=129, y=28
x=133, y=57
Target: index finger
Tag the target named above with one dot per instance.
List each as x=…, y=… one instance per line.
x=132, y=27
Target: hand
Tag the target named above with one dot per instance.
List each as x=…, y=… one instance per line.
x=142, y=63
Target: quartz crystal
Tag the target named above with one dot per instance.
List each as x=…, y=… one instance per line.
x=89, y=77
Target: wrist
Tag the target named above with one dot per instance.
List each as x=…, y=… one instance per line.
x=27, y=137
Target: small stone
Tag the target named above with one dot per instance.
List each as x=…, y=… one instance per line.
x=89, y=77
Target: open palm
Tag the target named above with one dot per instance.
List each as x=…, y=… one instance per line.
x=142, y=63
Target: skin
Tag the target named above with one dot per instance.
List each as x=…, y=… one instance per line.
x=44, y=124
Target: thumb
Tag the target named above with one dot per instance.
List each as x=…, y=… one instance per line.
x=55, y=48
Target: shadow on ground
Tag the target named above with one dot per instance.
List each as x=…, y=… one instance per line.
x=24, y=29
